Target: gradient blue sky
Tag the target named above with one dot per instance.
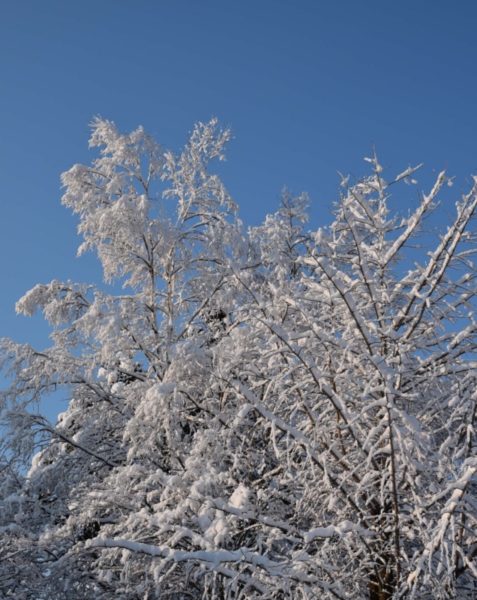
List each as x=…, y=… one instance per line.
x=308, y=87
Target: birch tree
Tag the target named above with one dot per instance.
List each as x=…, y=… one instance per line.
x=263, y=413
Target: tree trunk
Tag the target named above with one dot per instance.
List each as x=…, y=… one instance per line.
x=381, y=584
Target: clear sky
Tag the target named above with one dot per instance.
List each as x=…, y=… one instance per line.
x=309, y=87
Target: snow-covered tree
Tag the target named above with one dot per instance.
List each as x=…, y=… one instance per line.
x=272, y=413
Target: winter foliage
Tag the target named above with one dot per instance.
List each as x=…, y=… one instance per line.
x=266, y=413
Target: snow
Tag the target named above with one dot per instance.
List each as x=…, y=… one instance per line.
x=263, y=412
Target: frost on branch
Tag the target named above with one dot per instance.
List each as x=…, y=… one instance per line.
x=273, y=413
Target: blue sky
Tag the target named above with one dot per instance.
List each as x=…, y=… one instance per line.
x=308, y=87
